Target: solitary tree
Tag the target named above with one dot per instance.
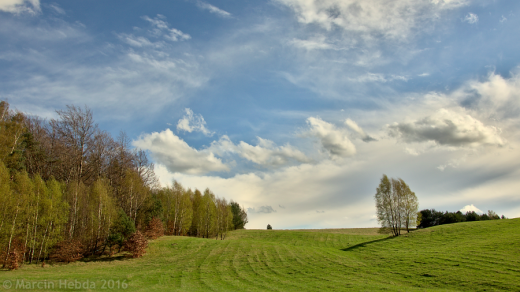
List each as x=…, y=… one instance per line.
x=396, y=205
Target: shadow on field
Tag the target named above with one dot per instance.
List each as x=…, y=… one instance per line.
x=364, y=244
x=106, y=259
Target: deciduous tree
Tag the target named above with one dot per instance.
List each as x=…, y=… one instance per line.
x=396, y=205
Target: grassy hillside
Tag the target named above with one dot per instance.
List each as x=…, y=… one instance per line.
x=459, y=257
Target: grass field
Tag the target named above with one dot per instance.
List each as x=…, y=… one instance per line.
x=472, y=256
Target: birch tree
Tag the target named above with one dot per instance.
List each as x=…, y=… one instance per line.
x=396, y=205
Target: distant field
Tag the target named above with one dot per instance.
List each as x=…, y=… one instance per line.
x=472, y=256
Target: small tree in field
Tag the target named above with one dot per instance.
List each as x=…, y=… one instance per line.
x=269, y=227
x=396, y=205
x=136, y=244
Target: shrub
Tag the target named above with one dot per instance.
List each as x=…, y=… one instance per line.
x=67, y=251
x=13, y=260
x=155, y=228
x=269, y=227
x=136, y=244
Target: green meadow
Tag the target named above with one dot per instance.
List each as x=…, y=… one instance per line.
x=471, y=256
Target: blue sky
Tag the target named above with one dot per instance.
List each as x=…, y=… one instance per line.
x=294, y=108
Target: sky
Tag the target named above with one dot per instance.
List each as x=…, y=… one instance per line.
x=293, y=108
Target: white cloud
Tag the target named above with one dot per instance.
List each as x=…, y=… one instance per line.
x=191, y=122
x=162, y=29
x=213, y=9
x=136, y=41
x=266, y=153
x=496, y=98
x=447, y=127
x=168, y=149
x=334, y=140
x=471, y=208
x=315, y=44
x=471, y=18
x=390, y=18
x=20, y=6
x=357, y=129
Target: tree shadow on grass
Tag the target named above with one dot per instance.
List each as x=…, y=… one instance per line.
x=364, y=244
x=106, y=259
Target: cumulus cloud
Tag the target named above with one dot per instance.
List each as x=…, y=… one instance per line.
x=334, y=140
x=20, y=6
x=471, y=18
x=393, y=19
x=471, y=208
x=192, y=122
x=447, y=127
x=262, y=209
x=265, y=153
x=213, y=9
x=496, y=98
x=162, y=29
x=268, y=154
x=357, y=129
x=177, y=155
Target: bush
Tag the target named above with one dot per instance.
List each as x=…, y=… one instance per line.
x=136, y=244
x=14, y=259
x=155, y=228
x=269, y=227
x=67, y=251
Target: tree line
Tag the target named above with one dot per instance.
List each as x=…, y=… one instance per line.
x=69, y=189
x=431, y=217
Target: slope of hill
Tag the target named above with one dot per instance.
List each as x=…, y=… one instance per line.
x=468, y=256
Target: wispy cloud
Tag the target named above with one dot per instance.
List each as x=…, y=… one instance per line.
x=471, y=18
x=261, y=209
x=162, y=29
x=395, y=19
x=213, y=9
x=57, y=8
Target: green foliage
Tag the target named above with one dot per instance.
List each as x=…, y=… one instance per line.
x=239, y=216
x=396, y=205
x=123, y=226
x=432, y=218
